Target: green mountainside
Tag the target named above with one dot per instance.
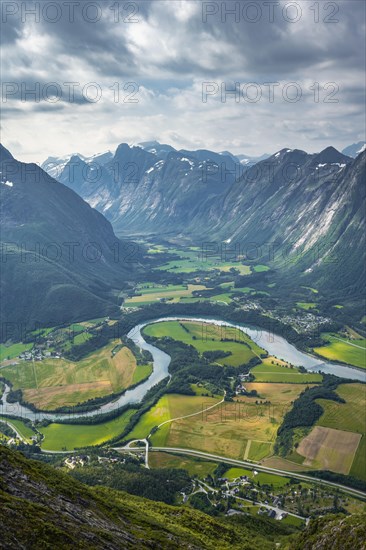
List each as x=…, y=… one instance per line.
x=43, y=508
x=60, y=259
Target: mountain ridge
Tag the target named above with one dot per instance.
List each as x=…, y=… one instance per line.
x=60, y=257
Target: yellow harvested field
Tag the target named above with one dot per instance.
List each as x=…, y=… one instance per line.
x=54, y=397
x=241, y=429
x=329, y=449
x=53, y=383
x=283, y=394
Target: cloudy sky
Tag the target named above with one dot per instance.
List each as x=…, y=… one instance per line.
x=108, y=72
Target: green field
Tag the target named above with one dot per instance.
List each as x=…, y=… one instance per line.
x=153, y=294
x=358, y=468
x=169, y=406
x=206, y=337
x=349, y=416
x=259, y=450
x=225, y=297
x=271, y=479
x=260, y=268
x=12, y=351
x=276, y=373
x=262, y=478
x=313, y=290
x=53, y=383
x=348, y=351
x=233, y=473
x=194, y=260
x=141, y=372
x=194, y=466
x=306, y=305
x=24, y=430
x=67, y=437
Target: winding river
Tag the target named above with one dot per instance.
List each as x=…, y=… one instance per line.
x=274, y=344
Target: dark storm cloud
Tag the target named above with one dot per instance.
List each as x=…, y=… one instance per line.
x=170, y=51
x=276, y=47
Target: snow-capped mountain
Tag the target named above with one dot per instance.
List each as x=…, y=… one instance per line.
x=354, y=149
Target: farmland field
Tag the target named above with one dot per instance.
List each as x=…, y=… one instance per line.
x=206, y=337
x=278, y=373
x=348, y=351
x=170, y=292
x=348, y=416
x=351, y=417
x=261, y=477
x=21, y=427
x=67, y=437
x=260, y=268
x=258, y=450
x=169, y=406
x=13, y=351
x=358, y=468
x=194, y=466
x=53, y=383
x=306, y=305
x=197, y=260
x=240, y=430
x=329, y=449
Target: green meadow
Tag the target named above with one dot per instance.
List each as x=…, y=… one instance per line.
x=306, y=305
x=24, y=430
x=277, y=373
x=12, y=351
x=67, y=437
x=197, y=260
x=206, y=337
x=150, y=295
x=352, y=352
x=262, y=478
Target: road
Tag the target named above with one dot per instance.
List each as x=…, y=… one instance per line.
x=21, y=437
x=251, y=465
x=145, y=441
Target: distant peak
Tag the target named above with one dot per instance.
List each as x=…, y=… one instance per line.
x=5, y=154
x=330, y=155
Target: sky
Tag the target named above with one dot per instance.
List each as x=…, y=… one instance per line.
x=247, y=77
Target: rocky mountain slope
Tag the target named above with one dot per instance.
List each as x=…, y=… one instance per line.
x=57, y=251
x=309, y=207
x=151, y=187
x=354, y=149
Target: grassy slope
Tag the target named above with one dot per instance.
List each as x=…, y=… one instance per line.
x=337, y=532
x=52, y=510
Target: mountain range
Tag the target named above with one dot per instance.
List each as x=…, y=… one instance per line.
x=309, y=207
x=60, y=258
